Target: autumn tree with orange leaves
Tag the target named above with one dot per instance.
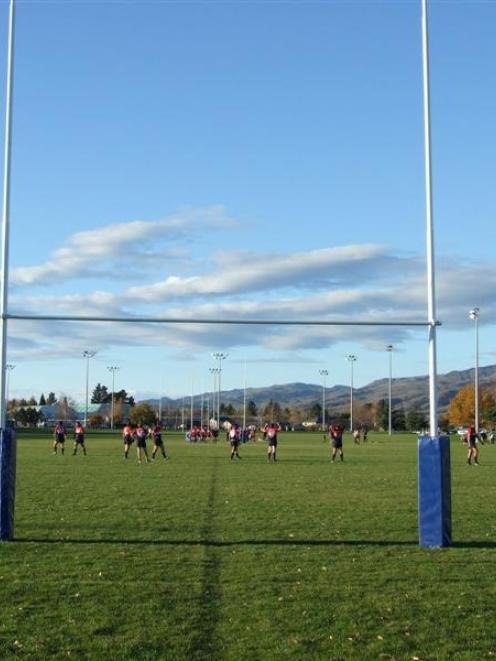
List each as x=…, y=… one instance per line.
x=461, y=409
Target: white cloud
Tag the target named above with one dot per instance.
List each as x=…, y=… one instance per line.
x=355, y=282
x=255, y=272
x=120, y=248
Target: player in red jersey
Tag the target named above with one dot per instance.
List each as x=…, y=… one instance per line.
x=234, y=439
x=59, y=437
x=158, y=443
x=141, y=433
x=473, y=450
x=128, y=439
x=79, y=438
x=270, y=432
x=336, y=437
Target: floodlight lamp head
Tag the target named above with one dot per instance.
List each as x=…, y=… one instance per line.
x=389, y=347
x=351, y=358
x=474, y=313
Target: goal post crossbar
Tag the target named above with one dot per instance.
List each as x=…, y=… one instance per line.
x=240, y=322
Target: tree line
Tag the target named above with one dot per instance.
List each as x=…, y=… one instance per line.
x=460, y=411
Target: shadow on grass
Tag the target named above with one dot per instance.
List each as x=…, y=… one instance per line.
x=205, y=641
x=214, y=543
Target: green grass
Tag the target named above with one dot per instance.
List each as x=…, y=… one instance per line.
x=202, y=558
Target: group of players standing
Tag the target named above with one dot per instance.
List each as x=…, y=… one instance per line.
x=236, y=435
x=140, y=434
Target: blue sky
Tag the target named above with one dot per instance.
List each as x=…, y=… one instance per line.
x=246, y=160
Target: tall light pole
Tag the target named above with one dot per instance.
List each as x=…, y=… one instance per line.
x=220, y=357
x=244, y=400
x=192, y=405
x=87, y=354
x=8, y=369
x=160, y=402
x=323, y=374
x=351, y=359
x=214, y=371
x=474, y=315
x=113, y=369
x=389, y=349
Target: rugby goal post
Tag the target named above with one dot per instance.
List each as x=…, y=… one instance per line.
x=434, y=478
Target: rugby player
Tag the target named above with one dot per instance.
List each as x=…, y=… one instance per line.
x=141, y=433
x=79, y=438
x=128, y=439
x=59, y=437
x=336, y=437
x=234, y=438
x=158, y=443
x=270, y=433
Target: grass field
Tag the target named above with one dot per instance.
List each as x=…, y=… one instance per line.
x=203, y=558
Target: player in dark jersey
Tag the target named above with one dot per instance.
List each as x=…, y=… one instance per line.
x=59, y=437
x=270, y=433
x=473, y=450
x=158, y=443
x=336, y=438
x=234, y=439
x=127, y=437
x=141, y=434
x=79, y=438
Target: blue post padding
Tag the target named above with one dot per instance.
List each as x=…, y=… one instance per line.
x=434, y=491
x=8, y=445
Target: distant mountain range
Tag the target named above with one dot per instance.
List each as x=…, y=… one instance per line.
x=408, y=392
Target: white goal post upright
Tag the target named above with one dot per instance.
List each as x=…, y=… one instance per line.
x=8, y=449
x=4, y=275
x=431, y=287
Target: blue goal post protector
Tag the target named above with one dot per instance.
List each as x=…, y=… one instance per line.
x=434, y=491
x=8, y=443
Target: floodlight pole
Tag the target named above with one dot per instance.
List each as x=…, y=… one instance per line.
x=192, y=404
x=87, y=354
x=351, y=359
x=431, y=290
x=214, y=372
x=113, y=369
x=244, y=399
x=4, y=274
x=160, y=384
x=323, y=374
x=220, y=357
x=8, y=367
x=474, y=315
x=389, y=349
